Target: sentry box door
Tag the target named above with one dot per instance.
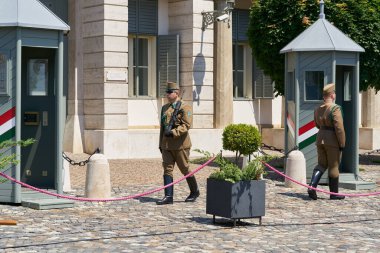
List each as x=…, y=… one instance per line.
x=345, y=97
x=38, y=110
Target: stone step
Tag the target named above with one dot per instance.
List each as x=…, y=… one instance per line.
x=357, y=185
x=44, y=204
x=27, y=195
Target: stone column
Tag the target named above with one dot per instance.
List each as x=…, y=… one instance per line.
x=72, y=140
x=369, y=134
x=196, y=57
x=223, y=70
x=105, y=68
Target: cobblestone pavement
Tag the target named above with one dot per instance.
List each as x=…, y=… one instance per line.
x=292, y=223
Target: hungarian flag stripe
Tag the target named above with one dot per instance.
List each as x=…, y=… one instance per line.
x=8, y=135
x=7, y=115
x=307, y=134
x=8, y=125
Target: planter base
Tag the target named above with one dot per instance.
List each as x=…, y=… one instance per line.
x=237, y=220
x=241, y=200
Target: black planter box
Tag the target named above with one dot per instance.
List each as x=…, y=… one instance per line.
x=244, y=199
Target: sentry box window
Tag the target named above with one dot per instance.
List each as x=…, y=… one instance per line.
x=4, y=73
x=314, y=82
x=38, y=77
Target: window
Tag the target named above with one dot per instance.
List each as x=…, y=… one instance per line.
x=143, y=30
x=314, y=82
x=238, y=71
x=4, y=73
x=242, y=56
x=248, y=79
x=142, y=66
x=290, y=86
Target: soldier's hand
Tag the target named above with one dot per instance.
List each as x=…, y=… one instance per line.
x=168, y=133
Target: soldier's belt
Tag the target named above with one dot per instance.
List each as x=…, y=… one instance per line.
x=327, y=128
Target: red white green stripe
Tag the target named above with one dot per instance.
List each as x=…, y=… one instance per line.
x=8, y=124
x=307, y=135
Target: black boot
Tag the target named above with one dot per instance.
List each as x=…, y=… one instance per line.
x=317, y=174
x=194, y=191
x=333, y=185
x=168, y=199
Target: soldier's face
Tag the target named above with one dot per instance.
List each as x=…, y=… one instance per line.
x=172, y=95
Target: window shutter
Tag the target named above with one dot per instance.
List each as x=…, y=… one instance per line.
x=148, y=17
x=235, y=26
x=240, y=21
x=263, y=84
x=132, y=16
x=143, y=17
x=243, y=25
x=168, y=61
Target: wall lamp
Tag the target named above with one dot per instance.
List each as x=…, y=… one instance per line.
x=209, y=17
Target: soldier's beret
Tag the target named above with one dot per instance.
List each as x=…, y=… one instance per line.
x=172, y=86
x=329, y=88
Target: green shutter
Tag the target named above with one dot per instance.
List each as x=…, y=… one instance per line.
x=168, y=61
x=132, y=16
x=240, y=21
x=263, y=85
x=143, y=17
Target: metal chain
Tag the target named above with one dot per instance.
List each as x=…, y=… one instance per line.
x=81, y=163
x=370, y=152
x=265, y=146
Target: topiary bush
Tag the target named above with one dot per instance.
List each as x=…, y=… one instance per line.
x=244, y=139
x=230, y=172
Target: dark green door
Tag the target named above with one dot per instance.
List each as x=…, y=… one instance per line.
x=344, y=84
x=38, y=110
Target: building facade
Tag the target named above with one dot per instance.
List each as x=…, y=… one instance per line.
x=120, y=54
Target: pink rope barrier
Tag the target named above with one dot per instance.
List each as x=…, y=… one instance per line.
x=111, y=199
x=321, y=190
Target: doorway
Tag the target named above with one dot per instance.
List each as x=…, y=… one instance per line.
x=38, y=117
x=344, y=84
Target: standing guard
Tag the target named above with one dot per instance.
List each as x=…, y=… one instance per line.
x=331, y=139
x=175, y=143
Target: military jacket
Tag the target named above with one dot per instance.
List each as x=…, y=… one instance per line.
x=181, y=138
x=329, y=119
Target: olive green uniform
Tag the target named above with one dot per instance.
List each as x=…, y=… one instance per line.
x=176, y=148
x=330, y=138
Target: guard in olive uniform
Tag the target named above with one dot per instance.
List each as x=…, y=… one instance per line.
x=175, y=143
x=330, y=142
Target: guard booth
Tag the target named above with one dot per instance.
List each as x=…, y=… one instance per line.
x=31, y=95
x=322, y=54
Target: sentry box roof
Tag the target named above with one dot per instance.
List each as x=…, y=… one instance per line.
x=29, y=13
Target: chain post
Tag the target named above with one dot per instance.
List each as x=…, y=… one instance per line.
x=81, y=163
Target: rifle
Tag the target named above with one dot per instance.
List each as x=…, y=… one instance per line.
x=168, y=129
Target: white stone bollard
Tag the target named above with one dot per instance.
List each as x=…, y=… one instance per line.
x=66, y=176
x=296, y=169
x=98, y=182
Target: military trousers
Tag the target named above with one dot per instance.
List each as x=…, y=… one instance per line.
x=172, y=157
x=329, y=158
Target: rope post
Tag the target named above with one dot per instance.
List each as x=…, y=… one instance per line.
x=295, y=168
x=98, y=182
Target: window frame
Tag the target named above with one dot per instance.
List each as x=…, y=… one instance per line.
x=6, y=89
x=304, y=85
x=152, y=70
x=247, y=77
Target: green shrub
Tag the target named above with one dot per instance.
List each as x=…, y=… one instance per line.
x=242, y=138
x=5, y=159
x=230, y=172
